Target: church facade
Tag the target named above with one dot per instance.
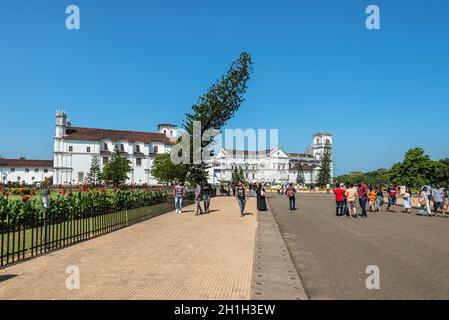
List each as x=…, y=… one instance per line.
x=75, y=146
x=272, y=165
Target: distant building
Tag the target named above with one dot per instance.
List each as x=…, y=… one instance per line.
x=25, y=171
x=75, y=146
x=273, y=165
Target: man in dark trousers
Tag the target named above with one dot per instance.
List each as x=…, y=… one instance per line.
x=362, y=192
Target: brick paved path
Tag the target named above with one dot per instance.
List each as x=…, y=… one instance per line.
x=168, y=257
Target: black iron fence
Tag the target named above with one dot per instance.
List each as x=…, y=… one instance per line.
x=32, y=237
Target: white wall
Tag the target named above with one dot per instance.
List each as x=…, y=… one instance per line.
x=21, y=175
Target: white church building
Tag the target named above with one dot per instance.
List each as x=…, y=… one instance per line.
x=272, y=165
x=75, y=146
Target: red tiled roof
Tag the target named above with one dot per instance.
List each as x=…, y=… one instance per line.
x=26, y=163
x=93, y=134
x=302, y=168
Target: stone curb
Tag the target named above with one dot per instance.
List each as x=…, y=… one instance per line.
x=274, y=274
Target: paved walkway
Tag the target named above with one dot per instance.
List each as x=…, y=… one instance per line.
x=168, y=257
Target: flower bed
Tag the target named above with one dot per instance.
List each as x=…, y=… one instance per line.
x=65, y=205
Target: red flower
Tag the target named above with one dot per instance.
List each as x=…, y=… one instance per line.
x=33, y=193
x=25, y=198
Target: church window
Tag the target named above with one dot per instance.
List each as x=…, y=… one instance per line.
x=88, y=149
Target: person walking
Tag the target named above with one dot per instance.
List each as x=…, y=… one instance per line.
x=198, y=195
x=438, y=199
x=424, y=202
x=446, y=198
x=392, y=198
x=407, y=198
x=379, y=199
x=207, y=190
x=178, y=194
x=339, y=200
x=240, y=194
x=372, y=198
x=261, y=201
x=362, y=192
x=345, y=200
x=290, y=192
x=351, y=194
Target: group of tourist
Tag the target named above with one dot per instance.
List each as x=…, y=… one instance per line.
x=203, y=193
x=348, y=197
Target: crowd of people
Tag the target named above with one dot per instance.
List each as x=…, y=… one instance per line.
x=351, y=196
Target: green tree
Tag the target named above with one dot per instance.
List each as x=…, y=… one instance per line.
x=94, y=174
x=242, y=175
x=235, y=177
x=324, y=175
x=441, y=175
x=116, y=171
x=215, y=108
x=165, y=171
x=300, y=179
x=417, y=169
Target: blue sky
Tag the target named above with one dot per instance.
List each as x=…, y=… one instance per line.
x=134, y=64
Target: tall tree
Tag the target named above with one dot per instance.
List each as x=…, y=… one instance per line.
x=300, y=180
x=94, y=174
x=215, y=108
x=417, y=169
x=235, y=177
x=165, y=171
x=441, y=176
x=242, y=175
x=116, y=171
x=324, y=175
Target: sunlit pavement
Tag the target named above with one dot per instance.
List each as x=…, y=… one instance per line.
x=332, y=253
x=168, y=257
